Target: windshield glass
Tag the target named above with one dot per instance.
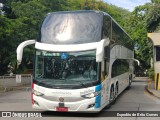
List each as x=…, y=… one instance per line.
x=71, y=28
x=66, y=68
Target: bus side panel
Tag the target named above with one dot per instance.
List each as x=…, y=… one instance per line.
x=105, y=92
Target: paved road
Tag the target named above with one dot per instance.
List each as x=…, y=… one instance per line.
x=134, y=99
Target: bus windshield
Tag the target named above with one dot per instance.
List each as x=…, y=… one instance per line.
x=66, y=68
x=71, y=28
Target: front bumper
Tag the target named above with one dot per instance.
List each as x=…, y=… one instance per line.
x=86, y=105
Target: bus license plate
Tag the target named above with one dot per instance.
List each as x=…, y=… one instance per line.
x=62, y=109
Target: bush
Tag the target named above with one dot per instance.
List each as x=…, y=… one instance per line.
x=151, y=73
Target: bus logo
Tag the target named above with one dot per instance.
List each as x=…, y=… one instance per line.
x=61, y=99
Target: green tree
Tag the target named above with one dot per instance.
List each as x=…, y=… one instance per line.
x=138, y=24
x=143, y=19
x=153, y=16
x=6, y=44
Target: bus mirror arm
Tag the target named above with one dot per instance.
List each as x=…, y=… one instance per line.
x=20, y=50
x=137, y=61
x=100, y=49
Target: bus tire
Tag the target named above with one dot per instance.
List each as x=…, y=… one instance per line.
x=111, y=99
x=130, y=81
x=116, y=90
x=115, y=94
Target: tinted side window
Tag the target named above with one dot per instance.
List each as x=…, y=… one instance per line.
x=158, y=53
x=118, y=34
x=119, y=67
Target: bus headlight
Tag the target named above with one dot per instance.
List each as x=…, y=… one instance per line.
x=91, y=95
x=37, y=93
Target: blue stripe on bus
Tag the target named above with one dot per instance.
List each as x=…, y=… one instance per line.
x=98, y=98
x=98, y=88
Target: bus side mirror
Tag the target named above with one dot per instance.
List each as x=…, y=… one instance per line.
x=100, y=49
x=137, y=61
x=20, y=50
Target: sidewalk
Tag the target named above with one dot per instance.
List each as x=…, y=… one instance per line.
x=151, y=90
x=149, y=87
x=140, y=79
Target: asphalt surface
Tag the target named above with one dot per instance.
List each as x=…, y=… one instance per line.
x=136, y=99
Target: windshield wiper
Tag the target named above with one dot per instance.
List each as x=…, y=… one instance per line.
x=81, y=83
x=40, y=82
x=40, y=75
x=44, y=83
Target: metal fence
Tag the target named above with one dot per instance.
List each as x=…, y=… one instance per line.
x=14, y=82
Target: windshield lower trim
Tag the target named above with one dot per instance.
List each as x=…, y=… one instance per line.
x=66, y=86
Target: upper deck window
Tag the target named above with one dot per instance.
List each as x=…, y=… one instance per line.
x=72, y=28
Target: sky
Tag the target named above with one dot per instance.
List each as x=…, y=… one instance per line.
x=127, y=4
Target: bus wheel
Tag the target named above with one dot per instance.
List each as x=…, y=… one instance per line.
x=111, y=95
x=116, y=90
x=115, y=94
x=130, y=81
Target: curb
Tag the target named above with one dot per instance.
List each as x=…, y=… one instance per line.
x=149, y=91
x=14, y=88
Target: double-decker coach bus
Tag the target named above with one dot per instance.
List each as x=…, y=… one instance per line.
x=83, y=61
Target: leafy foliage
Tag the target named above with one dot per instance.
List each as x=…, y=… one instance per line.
x=145, y=19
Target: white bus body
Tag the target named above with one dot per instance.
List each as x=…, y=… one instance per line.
x=83, y=76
